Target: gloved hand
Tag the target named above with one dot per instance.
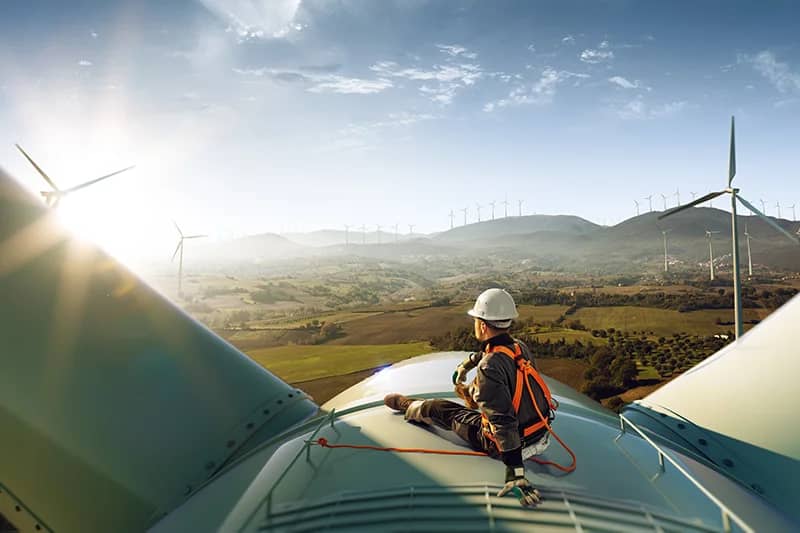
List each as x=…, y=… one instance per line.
x=460, y=373
x=527, y=494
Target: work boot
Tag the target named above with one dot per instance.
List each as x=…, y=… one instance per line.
x=398, y=402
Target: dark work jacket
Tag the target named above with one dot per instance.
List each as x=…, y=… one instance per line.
x=493, y=390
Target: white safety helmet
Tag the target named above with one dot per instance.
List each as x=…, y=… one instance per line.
x=496, y=307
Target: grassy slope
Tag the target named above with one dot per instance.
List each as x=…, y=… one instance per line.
x=301, y=363
x=660, y=321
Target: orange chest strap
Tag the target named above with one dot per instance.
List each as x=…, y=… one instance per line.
x=524, y=370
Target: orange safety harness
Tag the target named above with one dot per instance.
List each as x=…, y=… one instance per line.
x=524, y=369
x=525, y=373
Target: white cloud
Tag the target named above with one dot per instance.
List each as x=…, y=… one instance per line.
x=627, y=84
x=454, y=50
x=84, y=63
x=596, y=56
x=342, y=85
x=320, y=83
x=532, y=48
x=540, y=92
x=93, y=34
x=257, y=19
x=638, y=109
x=603, y=45
x=779, y=74
x=449, y=79
x=569, y=39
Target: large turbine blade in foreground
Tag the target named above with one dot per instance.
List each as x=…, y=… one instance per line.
x=115, y=406
x=707, y=197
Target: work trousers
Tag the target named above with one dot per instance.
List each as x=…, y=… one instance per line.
x=464, y=422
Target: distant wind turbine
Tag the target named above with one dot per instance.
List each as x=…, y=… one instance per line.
x=763, y=205
x=53, y=198
x=778, y=205
x=492, y=204
x=520, y=206
x=749, y=254
x=179, y=248
x=465, y=215
x=664, y=198
x=637, y=207
x=478, y=207
x=678, y=196
x=505, y=206
x=650, y=202
x=694, y=195
x=793, y=213
x=709, y=236
x=734, y=192
x=411, y=229
x=346, y=235
x=452, y=216
x=664, y=234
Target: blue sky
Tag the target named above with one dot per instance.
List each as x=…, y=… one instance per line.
x=287, y=115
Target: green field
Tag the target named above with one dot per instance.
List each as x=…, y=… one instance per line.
x=660, y=321
x=301, y=363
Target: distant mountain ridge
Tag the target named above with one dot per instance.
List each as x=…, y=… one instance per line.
x=558, y=241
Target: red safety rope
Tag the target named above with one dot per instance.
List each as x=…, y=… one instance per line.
x=325, y=444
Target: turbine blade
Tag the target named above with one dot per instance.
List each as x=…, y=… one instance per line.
x=177, y=228
x=768, y=220
x=707, y=197
x=180, y=243
x=732, y=160
x=39, y=170
x=194, y=236
x=92, y=182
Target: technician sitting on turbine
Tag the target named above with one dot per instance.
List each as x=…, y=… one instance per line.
x=509, y=406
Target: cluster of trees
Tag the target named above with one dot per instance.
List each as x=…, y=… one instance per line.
x=718, y=299
x=613, y=361
x=269, y=294
x=320, y=332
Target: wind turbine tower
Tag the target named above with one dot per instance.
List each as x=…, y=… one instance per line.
x=465, y=215
x=678, y=197
x=637, y=207
x=411, y=229
x=763, y=205
x=492, y=204
x=794, y=216
x=478, y=207
x=664, y=234
x=346, y=235
x=694, y=195
x=734, y=192
x=179, y=248
x=520, y=202
x=505, y=206
x=778, y=205
x=664, y=199
x=749, y=254
x=709, y=235
x=650, y=202
x=452, y=216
